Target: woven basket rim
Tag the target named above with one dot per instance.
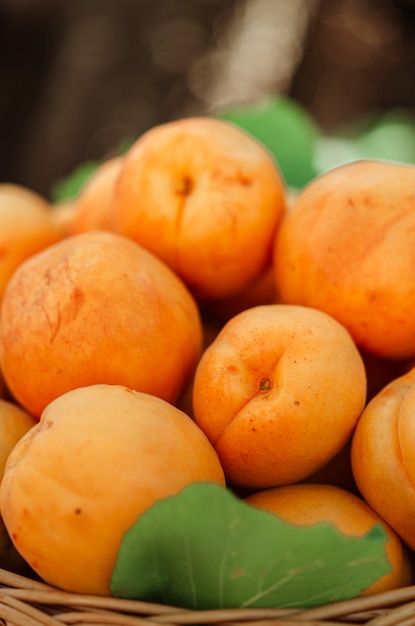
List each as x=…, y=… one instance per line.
x=29, y=602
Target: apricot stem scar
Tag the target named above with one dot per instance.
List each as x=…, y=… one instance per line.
x=265, y=384
x=186, y=186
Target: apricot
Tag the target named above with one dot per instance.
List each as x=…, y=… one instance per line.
x=14, y=424
x=97, y=308
x=62, y=214
x=205, y=197
x=278, y=393
x=383, y=461
x=93, y=205
x=26, y=228
x=306, y=505
x=99, y=457
x=347, y=247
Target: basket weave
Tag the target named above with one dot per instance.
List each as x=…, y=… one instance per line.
x=27, y=602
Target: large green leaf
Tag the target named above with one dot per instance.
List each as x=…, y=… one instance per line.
x=286, y=129
x=206, y=548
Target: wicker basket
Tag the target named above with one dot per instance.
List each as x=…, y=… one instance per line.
x=27, y=602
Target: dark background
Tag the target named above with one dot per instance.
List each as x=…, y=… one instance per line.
x=78, y=78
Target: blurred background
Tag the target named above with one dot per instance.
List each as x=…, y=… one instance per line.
x=320, y=82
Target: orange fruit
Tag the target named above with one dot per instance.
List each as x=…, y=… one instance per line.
x=97, y=308
x=26, y=227
x=383, y=461
x=205, y=197
x=278, y=393
x=14, y=424
x=99, y=457
x=346, y=247
x=93, y=205
x=62, y=214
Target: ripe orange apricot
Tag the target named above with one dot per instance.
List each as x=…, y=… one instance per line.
x=278, y=393
x=62, y=214
x=346, y=247
x=205, y=197
x=15, y=422
x=383, y=461
x=26, y=227
x=97, y=308
x=99, y=457
x=305, y=505
x=93, y=205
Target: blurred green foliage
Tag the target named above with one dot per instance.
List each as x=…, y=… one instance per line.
x=386, y=135
x=71, y=185
x=299, y=147
x=286, y=129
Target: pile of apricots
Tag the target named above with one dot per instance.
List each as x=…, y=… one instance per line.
x=188, y=317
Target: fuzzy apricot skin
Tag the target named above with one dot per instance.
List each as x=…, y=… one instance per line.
x=347, y=247
x=383, y=461
x=93, y=205
x=99, y=457
x=204, y=196
x=278, y=393
x=97, y=308
x=62, y=214
x=14, y=423
x=26, y=227
x=305, y=505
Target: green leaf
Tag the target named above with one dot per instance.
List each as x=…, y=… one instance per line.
x=388, y=136
x=70, y=186
x=205, y=548
x=286, y=129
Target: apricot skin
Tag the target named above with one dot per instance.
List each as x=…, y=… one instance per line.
x=305, y=505
x=278, y=393
x=93, y=205
x=97, y=308
x=14, y=423
x=97, y=459
x=383, y=461
x=206, y=198
x=26, y=227
x=346, y=246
